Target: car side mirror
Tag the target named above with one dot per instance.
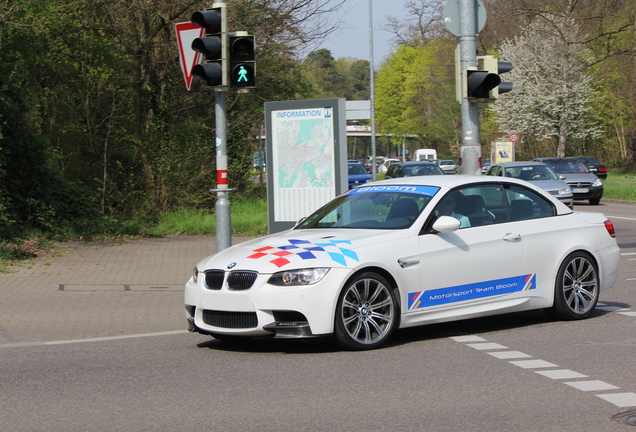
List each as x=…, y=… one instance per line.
x=446, y=224
x=561, y=177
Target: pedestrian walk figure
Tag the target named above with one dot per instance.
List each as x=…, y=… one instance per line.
x=242, y=74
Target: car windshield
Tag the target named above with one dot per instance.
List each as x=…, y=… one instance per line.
x=373, y=207
x=590, y=160
x=531, y=172
x=418, y=170
x=357, y=169
x=567, y=166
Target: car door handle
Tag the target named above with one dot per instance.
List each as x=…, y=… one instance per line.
x=510, y=237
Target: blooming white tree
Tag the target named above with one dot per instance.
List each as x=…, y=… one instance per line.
x=552, y=85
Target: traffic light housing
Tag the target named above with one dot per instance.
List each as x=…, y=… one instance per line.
x=213, y=45
x=242, y=65
x=480, y=83
x=492, y=65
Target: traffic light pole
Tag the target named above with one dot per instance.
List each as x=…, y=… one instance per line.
x=222, y=206
x=470, y=150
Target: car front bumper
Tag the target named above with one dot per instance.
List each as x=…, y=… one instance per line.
x=296, y=311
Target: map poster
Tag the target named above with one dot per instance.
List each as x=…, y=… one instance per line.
x=306, y=158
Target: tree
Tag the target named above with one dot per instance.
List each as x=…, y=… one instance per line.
x=415, y=95
x=553, y=90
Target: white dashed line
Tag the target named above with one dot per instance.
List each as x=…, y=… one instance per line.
x=619, y=399
x=486, y=346
x=533, y=364
x=593, y=385
x=561, y=374
x=509, y=354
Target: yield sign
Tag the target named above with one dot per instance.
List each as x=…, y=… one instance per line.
x=188, y=58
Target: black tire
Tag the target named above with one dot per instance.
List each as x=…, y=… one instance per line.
x=576, y=288
x=595, y=201
x=367, y=313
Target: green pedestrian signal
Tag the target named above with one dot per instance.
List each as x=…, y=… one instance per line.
x=242, y=65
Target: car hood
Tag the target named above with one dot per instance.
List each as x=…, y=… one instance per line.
x=579, y=177
x=550, y=185
x=294, y=249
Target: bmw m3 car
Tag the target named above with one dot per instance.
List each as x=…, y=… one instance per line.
x=407, y=252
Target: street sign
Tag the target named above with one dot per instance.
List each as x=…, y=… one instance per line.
x=451, y=16
x=188, y=58
x=514, y=137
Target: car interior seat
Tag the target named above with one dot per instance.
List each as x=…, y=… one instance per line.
x=404, y=208
x=521, y=209
x=474, y=207
x=525, y=175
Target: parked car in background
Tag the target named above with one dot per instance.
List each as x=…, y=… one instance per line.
x=410, y=169
x=447, y=166
x=593, y=165
x=485, y=164
x=358, y=174
x=585, y=184
x=537, y=173
x=394, y=254
x=387, y=163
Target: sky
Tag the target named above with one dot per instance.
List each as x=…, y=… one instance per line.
x=353, y=38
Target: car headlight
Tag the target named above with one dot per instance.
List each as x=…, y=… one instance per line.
x=597, y=182
x=195, y=274
x=565, y=191
x=298, y=277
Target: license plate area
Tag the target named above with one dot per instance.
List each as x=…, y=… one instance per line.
x=580, y=190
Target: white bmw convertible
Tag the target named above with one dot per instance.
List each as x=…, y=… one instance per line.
x=407, y=252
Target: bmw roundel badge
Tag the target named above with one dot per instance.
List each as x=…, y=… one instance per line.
x=232, y=265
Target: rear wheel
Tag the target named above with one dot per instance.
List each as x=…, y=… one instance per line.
x=576, y=289
x=366, y=314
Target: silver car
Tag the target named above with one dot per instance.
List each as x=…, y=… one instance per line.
x=538, y=173
x=447, y=166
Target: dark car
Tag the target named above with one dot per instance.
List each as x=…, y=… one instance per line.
x=410, y=169
x=585, y=184
x=593, y=165
x=358, y=174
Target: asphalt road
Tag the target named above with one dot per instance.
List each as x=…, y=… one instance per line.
x=93, y=340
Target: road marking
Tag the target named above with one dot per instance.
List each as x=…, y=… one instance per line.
x=96, y=339
x=561, y=374
x=486, y=346
x=551, y=371
x=618, y=310
x=620, y=217
x=620, y=399
x=509, y=354
x=533, y=364
x=592, y=385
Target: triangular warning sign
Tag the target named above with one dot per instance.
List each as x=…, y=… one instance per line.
x=188, y=58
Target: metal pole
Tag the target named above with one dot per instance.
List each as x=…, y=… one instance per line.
x=372, y=96
x=222, y=207
x=471, y=149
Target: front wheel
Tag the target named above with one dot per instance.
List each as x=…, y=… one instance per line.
x=595, y=201
x=366, y=314
x=576, y=289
